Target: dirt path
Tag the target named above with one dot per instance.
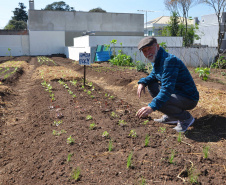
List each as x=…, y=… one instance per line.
x=16, y=116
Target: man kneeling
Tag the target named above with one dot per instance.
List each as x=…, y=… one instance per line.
x=170, y=84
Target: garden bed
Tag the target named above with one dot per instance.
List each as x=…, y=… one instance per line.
x=45, y=106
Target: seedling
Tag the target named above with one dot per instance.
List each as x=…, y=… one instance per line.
x=74, y=82
x=162, y=129
x=57, y=123
x=69, y=157
x=89, y=117
x=129, y=160
x=206, y=151
x=143, y=181
x=193, y=177
x=92, y=126
x=145, y=122
x=70, y=140
x=76, y=174
x=133, y=133
x=172, y=157
x=122, y=123
x=179, y=138
x=88, y=92
x=90, y=84
x=114, y=115
x=112, y=97
x=83, y=87
x=147, y=139
x=110, y=146
x=92, y=96
x=105, y=134
x=106, y=95
x=73, y=96
x=70, y=92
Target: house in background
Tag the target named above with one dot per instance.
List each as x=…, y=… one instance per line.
x=153, y=27
x=208, y=31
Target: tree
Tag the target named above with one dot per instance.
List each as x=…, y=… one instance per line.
x=174, y=24
x=19, y=20
x=219, y=7
x=60, y=6
x=184, y=6
x=98, y=10
x=16, y=25
x=20, y=14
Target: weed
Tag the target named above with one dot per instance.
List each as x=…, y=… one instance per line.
x=133, y=133
x=122, y=123
x=145, y=122
x=89, y=117
x=129, y=160
x=179, y=138
x=147, y=140
x=105, y=134
x=69, y=157
x=162, y=129
x=110, y=145
x=206, y=151
x=76, y=174
x=70, y=140
x=92, y=126
x=172, y=157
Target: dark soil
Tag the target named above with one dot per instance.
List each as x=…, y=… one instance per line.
x=35, y=151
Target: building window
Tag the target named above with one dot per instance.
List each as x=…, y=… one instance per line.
x=149, y=33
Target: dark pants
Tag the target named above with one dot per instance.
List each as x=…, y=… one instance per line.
x=176, y=106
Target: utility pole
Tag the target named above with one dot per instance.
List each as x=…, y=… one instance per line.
x=146, y=18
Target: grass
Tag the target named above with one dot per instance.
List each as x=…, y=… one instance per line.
x=172, y=157
x=179, y=138
x=69, y=157
x=110, y=146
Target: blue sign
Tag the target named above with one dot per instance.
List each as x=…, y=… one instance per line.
x=84, y=59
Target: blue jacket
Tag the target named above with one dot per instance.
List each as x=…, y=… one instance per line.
x=174, y=78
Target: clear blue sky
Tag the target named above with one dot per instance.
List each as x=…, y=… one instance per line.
x=115, y=6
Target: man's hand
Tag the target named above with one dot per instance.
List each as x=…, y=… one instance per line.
x=141, y=87
x=144, y=111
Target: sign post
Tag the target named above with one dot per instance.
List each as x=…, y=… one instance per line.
x=84, y=59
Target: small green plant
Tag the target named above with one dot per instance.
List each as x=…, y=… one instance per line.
x=88, y=92
x=143, y=181
x=129, y=160
x=85, y=90
x=89, y=117
x=113, y=114
x=74, y=82
x=140, y=66
x=70, y=92
x=147, y=140
x=164, y=46
x=172, y=157
x=74, y=96
x=162, y=129
x=179, y=138
x=220, y=63
x=70, y=140
x=83, y=86
x=112, y=97
x=193, y=177
x=110, y=145
x=57, y=123
x=105, y=134
x=145, y=122
x=76, y=174
x=106, y=95
x=133, y=133
x=9, y=49
x=92, y=126
x=92, y=96
x=122, y=123
x=203, y=72
x=206, y=151
x=69, y=157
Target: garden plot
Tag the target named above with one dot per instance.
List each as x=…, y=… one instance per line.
x=88, y=135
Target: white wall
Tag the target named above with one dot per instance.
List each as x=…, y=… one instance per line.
x=19, y=45
x=47, y=42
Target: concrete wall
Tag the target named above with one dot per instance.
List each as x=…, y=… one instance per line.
x=47, y=42
x=75, y=23
x=19, y=45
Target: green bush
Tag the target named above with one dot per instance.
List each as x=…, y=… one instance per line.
x=220, y=63
x=121, y=60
